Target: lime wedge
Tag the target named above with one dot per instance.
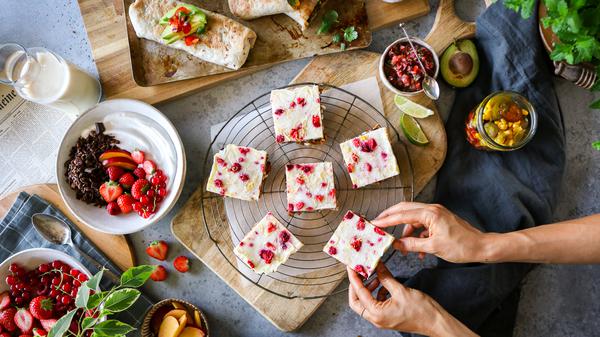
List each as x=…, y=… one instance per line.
x=411, y=108
x=412, y=130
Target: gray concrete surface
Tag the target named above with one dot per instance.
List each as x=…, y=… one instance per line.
x=556, y=301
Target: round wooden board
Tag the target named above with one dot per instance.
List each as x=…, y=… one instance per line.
x=116, y=247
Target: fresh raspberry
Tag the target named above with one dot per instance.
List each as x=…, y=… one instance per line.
x=360, y=225
x=114, y=173
x=266, y=255
x=139, y=172
x=127, y=180
x=356, y=243
x=236, y=167
x=139, y=188
x=316, y=120
x=332, y=250
x=271, y=227
x=279, y=139
x=113, y=208
x=125, y=202
x=379, y=231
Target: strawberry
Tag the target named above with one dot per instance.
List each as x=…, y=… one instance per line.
x=138, y=156
x=159, y=274
x=139, y=172
x=113, y=208
x=47, y=324
x=114, y=172
x=4, y=300
x=158, y=250
x=7, y=319
x=139, y=188
x=127, y=180
x=110, y=191
x=24, y=320
x=149, y=166
x=41, y=307
x=182, y=264
x=5, y=334
x=125, y=202
x=37, y=332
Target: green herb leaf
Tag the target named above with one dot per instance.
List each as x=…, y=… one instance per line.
x=112, y=328
x=136, y=277
x=94, y=282
x=337, y=38
x=350, y=34
x=87, y=323
x=329, y=19
x=83, y=296
x=596, y=145
x=343, y=46
x=120, y=300
x=524, y=7
x=95, y=299
x=62, y=325
x=293, y=3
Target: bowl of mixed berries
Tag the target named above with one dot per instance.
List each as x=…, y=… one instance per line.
x=120, y=166
x=37, y=287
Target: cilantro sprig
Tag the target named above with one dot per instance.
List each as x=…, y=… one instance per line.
x=329, y=19
x=345, y=35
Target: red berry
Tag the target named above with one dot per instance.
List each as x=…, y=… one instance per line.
x=271, y=227
x=162, y=192
x=158, y=250
x=155, y=180
x=350, y=168
x=159, y=274
x=138, y=156
x=361, y=270
x=356, y=142
x=125, y=203
x=348, y=215
x=379, y=231
x=7, y=319
x=356, y=243
x=145, y=200
x=181, y=264
x=82, y=277
x=149, y=166
x=319, y=197
x=332, y=250
x=110, y=191
x=114, y=173
x=235, y=167
x=140, y=173
x=278, y=112
x=284, y=237
x=244, y=177
x=151, y=193
x=299, y=205
x=139, y=188
x=24, y=320
x=316, y=120
x=42, y=307
x=127, y=180
x=279, y=138
x=113, y=208
x=266, y=255
x=360, y=225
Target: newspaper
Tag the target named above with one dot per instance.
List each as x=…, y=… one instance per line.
x=29, y=138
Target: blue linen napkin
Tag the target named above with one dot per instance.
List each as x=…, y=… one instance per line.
x=495, y=191
x=17, y=233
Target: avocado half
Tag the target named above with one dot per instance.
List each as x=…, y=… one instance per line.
x=460, y=63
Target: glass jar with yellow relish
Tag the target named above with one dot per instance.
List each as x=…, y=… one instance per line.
x=504, y=121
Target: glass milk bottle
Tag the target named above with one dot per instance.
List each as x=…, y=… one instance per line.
x=41, y=76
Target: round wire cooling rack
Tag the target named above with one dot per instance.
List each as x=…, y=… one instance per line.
x=309, y=273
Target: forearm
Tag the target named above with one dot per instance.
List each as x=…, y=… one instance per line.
x=573, y=241
x=446, y=325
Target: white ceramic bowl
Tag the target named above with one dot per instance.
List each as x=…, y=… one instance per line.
x=415, y=41
x=31, y=258
x=136, y=125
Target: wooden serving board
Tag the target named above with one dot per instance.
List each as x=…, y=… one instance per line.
x=115, y=247
x=106, y=27
x=340, y=69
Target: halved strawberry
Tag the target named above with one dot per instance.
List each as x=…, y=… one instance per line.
x=24, y=320
x=7, y=319
x=138, y=156
x=149, y=166
x=47, y=324
x=4, y=300
x=110, y=191
x=159, y=274
x=182, y=264
x=158, y=250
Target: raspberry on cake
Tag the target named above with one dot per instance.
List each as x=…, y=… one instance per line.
x=369, y=158
x=267, y=246
x=358, y=244
x=310, y=187
x=297, y=114
x=238, y=172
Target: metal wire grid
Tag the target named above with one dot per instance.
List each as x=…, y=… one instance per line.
x=309, y=273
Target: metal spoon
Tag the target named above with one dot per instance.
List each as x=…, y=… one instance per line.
x=429, y=84
x=55, y=231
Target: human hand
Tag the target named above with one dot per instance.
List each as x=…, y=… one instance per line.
x=444, y=234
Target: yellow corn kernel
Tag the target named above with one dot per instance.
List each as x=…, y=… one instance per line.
x=525, y=112
x=511, y=142
x=502, y=124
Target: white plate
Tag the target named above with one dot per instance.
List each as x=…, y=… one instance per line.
x=154, y=134
x=31, y=258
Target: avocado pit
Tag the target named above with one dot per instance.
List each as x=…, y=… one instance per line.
x=461, y=64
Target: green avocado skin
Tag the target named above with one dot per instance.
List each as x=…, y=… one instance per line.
x=459, y=81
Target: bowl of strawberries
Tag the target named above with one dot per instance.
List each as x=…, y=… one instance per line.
x=121, y=166
x=37, y=287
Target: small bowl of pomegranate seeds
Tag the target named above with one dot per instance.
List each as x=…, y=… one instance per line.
x=399, y=69
x=37, y=287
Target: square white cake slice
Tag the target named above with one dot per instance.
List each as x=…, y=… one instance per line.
x=297, y=114
x=369, y=158
x=267, y=246
x=238, y=172
x=358, y=244
x=310, y=187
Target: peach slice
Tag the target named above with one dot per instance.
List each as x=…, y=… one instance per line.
x=192, y=332
x=169, y=327
x=197, y=319
x=121, y=162
x=182, y=325
x=114, y=153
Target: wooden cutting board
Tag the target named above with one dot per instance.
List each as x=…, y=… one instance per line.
x=289, y=314
x=104, y=21
x=116, y=247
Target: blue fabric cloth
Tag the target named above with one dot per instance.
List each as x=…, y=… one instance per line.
x=17, y=233
x=498, y=191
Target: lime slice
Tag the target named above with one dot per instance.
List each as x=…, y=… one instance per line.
x=412, y=130
x=411, y=108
